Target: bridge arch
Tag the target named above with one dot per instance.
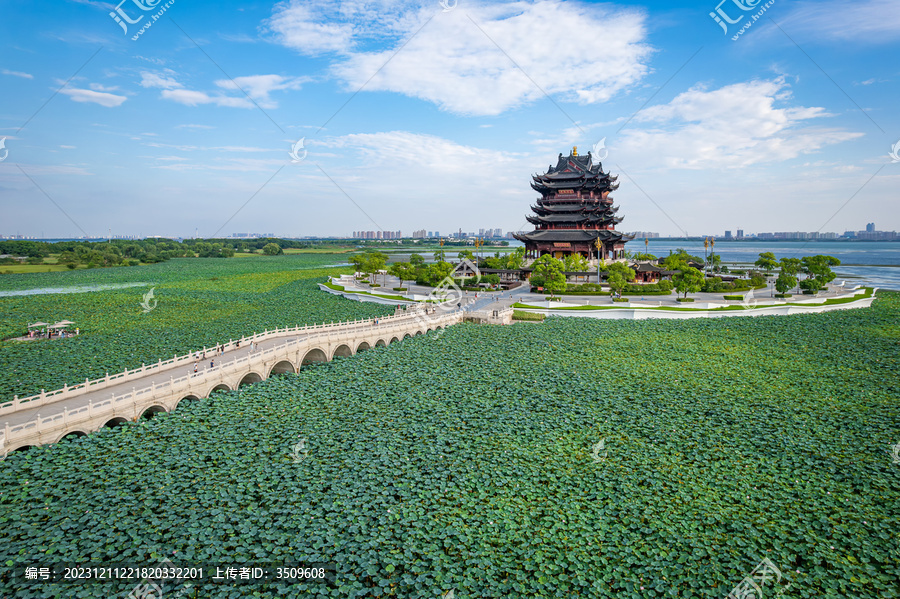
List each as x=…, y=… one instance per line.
x=418, y=333
x=380, y=343
x=282, y=367
x=219, y=387
x=314, y=355
x=406, y=336
x=363, y=346
x=114, y=422
x=249, y=379
x=342, y=351
x=394, y=339
x=72, y=433
x=185, y=400
x=152, y=411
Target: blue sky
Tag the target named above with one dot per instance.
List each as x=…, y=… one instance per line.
x=418, y=115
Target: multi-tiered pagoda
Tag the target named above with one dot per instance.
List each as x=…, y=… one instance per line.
x=575, y=211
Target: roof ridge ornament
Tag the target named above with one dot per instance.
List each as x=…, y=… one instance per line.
x=574, y=150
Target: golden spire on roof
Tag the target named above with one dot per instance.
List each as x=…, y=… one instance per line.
x=574, y=150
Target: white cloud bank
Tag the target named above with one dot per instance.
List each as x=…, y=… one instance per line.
x=258, y=87
x=476, y=59
x=731, y=127
x=96, y=97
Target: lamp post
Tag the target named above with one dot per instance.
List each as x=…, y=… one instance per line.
x=705, y=254
x=598, y=245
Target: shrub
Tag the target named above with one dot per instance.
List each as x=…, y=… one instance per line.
x=733, y=297
x=620, y=299
x=713, y=284
x=757, y=281
x=783, y=295
x=399, y=288
x=530, y=316
x=685, y=299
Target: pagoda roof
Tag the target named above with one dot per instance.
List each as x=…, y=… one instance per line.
x=574, y=171
x=586, y=208
x=579, y=217
x=576, y=235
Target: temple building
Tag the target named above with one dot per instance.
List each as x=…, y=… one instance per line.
x=575, y=213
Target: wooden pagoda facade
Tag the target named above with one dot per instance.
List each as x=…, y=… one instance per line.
x=574, y=213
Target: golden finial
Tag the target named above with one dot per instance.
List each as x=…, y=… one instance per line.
x=574, y=150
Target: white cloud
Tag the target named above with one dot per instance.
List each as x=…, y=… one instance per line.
x=102, y=88
x=857, y=21
x=89, y=95
x=734, y=126
x=259, y=87
x=296, y=26
x=17, y=74
x=193, y=127
x=68, y=147
x=195, y=98
x=465, y=60
x=163, y=81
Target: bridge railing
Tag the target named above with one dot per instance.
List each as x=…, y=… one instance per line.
x=66, y=391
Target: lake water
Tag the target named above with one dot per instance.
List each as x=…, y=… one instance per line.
x=862, y=262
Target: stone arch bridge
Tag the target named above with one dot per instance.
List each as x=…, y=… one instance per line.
x=143, y=392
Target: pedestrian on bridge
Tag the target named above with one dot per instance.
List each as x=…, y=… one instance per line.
x=212, y=363
x=195, y=368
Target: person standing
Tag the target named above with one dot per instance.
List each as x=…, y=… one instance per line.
x=212, y=363
x=195, y=367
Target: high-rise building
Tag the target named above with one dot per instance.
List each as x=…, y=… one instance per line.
x=728, y=235
x=740, y=233
x=870, y=228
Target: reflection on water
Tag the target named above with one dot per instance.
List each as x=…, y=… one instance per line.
x=78, y=289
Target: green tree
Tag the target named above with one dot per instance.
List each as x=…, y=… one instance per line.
x=715, y=262
x=548, y=273
x=466, y=254
x=785, y=282
x=516, y=258
x=790, y=266
x=688, y=280
x=272, y=249
x=766, y=261
x=644, y=257
x=818, y=271
x=619, y=276
x=575, y=263
x=416, y=259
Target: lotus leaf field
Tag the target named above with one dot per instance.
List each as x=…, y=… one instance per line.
x=199, y=302
x=468, y=460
